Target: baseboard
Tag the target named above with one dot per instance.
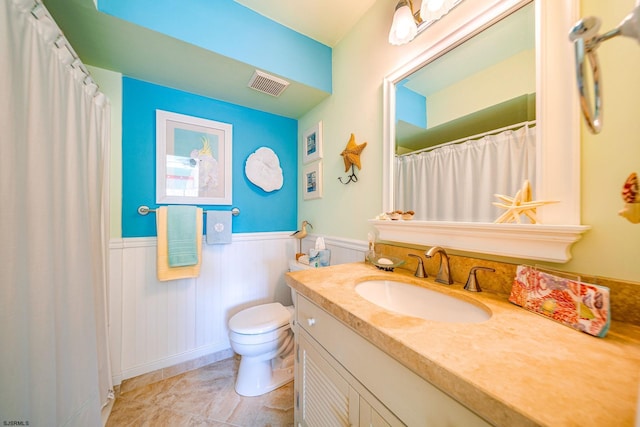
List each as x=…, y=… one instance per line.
x=150, y=377
x=162, y=368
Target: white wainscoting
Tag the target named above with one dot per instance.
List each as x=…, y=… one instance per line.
x=153, y=324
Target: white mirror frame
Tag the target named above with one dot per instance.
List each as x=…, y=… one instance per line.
x=558, y=146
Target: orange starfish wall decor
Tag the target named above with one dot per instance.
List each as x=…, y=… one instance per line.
x=351, y=156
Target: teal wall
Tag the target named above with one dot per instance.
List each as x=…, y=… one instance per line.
x=259, y=211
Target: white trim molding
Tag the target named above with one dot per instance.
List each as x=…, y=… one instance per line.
x=529, y=241
x=141, y=242
x=173, y=360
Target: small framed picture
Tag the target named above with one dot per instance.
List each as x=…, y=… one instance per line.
x=312, y=144
x=312, y=181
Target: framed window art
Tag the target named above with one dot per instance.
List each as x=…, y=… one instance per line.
x=312, y=144
x=312, y=181
x=193, y=160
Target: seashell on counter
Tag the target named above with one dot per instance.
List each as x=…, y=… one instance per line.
x=631, y=211
x=631, y=196
x=630, y=189
x=396, y=215
x=408, y=215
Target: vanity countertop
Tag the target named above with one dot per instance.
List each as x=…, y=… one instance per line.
x=517, y=368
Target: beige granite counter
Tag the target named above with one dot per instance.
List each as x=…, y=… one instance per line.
x=517, y=368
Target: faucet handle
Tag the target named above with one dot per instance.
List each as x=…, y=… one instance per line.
x=472, y=281
x=420, y=272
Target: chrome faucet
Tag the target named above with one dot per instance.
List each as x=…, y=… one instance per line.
x=444, y=275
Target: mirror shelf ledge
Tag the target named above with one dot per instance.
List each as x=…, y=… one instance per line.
x=527, y=241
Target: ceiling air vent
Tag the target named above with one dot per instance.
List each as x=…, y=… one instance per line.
x=267, y=83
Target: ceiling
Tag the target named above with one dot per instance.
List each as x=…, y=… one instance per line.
x=326, y=21
x=110, y=43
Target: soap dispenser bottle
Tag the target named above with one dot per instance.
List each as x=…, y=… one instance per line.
x=372, y=246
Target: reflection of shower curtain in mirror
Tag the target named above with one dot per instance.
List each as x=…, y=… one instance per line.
x=457, y=182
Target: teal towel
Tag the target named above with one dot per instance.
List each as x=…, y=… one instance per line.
x=181, y=236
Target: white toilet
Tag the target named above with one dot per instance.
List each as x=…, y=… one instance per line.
x=263, y=336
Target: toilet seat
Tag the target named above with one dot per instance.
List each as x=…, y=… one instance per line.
x=260, y=319
x=259, y=339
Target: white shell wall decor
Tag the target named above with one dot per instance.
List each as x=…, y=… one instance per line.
x=631, y=197
x=263, y=169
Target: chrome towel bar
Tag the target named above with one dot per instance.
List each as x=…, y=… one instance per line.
x=586, y=40
x=145, y=210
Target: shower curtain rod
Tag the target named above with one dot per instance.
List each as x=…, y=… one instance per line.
x=467, y=138
x=38, y=11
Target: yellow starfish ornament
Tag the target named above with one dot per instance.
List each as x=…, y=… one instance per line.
x=351, y=153
x=520, y=204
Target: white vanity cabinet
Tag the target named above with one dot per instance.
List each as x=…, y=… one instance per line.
x=341, y=379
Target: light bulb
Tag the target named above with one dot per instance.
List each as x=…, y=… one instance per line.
x=433, y=10
x=434, y=5
x=404, y=27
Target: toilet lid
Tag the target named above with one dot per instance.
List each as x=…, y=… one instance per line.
x=259, y=319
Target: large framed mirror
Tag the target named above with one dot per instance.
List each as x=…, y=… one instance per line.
x=547, y=99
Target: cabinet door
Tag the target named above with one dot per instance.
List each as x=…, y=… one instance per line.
x=369, y=417
x=327, y=395
x=322, y=396
x=371, y=412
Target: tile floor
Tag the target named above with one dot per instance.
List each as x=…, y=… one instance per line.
x=202, y=397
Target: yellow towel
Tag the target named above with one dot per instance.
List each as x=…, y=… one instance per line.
x=172, y=273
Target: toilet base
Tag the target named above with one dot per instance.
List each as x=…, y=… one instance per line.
x=257, y=377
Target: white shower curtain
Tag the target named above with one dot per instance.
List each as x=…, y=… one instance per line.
x=54, y=126
x=457, y=182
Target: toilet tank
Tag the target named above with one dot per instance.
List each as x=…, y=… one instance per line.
x=296, y=266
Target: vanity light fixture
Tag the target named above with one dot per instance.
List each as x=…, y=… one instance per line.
x=432, y=10
x=407, y=24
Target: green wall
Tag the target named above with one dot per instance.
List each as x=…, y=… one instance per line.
x=502, y=82
x=111, y=85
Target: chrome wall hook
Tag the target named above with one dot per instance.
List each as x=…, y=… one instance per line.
x=586, y=40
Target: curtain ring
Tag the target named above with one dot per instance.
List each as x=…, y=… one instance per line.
x=593, y=116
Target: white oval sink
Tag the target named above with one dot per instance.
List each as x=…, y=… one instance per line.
x=412, y=300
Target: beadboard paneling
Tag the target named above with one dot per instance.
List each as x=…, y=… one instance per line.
x=156, y=324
